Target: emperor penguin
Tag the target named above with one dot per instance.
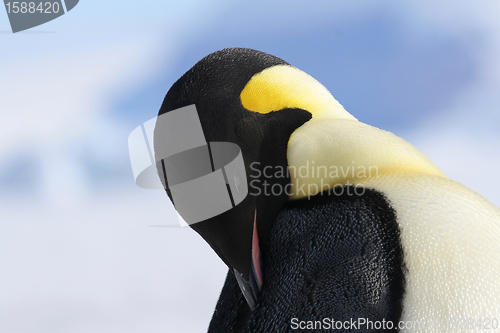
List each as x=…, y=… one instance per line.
x=346, y=226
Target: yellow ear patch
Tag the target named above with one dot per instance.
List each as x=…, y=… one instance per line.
x=283, y=86
x=332, y=148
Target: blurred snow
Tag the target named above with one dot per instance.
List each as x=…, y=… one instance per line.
x=100, y=267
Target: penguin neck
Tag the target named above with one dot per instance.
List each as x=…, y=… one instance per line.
x=327, y=152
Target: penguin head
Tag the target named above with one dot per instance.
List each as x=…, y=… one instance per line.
x=256, y=101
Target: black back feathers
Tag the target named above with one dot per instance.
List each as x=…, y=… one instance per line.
x=337, y=257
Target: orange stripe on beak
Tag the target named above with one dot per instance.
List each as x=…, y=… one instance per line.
x=256, y=260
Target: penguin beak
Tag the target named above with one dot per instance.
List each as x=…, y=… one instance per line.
x=252, y=287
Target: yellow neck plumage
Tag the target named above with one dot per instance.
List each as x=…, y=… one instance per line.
x=332, y=148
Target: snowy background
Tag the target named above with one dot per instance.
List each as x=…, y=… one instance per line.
x=77, y=250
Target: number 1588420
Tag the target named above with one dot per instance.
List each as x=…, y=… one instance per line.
x=31, y=7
